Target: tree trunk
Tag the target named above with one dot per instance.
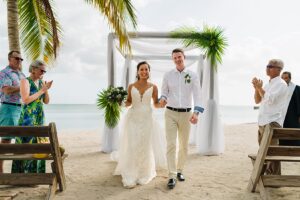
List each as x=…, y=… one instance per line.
x=13, y=25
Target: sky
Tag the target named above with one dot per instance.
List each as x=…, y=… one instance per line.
x=257, y=31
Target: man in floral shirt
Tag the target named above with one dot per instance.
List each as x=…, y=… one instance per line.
x=10, y=107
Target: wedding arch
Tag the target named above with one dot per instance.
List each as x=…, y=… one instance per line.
x=207, y=135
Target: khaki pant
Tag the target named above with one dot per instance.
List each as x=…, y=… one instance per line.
x=273, y=167
x=177, y=124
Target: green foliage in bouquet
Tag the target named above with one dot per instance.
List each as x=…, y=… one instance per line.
x=109, y=100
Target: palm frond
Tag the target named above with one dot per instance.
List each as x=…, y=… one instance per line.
x=54, y=26
x=39, y=29
x=109, y=100
x=31, y=39
x=111, y=109
x=211, y=40
x=118, y=14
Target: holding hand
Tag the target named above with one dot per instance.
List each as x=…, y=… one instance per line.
x=162, y=103
x=194, y=118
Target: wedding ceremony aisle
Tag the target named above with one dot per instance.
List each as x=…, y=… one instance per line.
x=89, y=172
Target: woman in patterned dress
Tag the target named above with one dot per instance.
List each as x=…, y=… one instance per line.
x=34, y=93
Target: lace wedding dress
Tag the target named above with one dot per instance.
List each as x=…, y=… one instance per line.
x=142, y=146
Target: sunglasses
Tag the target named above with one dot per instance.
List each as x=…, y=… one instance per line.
x=19, y=59
x=43, y=71
x=271, y=66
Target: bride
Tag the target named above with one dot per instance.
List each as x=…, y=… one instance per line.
x=142, y=143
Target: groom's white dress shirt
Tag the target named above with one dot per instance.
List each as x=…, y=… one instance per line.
x=272, y=107
x=179, y=87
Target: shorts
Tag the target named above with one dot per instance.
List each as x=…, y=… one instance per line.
x=9, y=116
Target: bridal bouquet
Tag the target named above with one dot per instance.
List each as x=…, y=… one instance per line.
x=110, y=100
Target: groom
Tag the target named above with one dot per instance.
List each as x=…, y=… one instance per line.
x=178, y=87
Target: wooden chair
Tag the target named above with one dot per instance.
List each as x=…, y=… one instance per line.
x=27, y=151
x=268, y=152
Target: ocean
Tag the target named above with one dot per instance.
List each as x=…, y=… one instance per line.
x=89, y=117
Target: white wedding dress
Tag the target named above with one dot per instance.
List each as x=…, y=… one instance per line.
x=142, y=146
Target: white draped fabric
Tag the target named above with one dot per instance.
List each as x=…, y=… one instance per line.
x=207, y=135
x=110, y=139
x=209, y=132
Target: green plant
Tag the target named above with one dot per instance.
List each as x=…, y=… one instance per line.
x=211, y=40
x=109, y=100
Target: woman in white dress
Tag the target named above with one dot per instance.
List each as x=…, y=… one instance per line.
x=142, y=143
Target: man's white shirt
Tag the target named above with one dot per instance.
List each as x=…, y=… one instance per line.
x=178, y=88
x=272, y=107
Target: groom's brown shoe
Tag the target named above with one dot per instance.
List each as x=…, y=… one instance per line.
x=180, y=177
x=171, y=183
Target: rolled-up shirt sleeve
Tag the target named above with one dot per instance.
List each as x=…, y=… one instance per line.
x=197, y=95
x=272, y=95
x=164, y=88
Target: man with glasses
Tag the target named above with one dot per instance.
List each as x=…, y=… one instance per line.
x=272, y=98
x=10, y=107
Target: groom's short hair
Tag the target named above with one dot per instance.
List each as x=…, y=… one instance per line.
x=178, y=50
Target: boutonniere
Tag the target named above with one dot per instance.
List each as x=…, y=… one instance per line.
x=187, y=78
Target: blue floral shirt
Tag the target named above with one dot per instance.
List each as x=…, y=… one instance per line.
x=10, y=77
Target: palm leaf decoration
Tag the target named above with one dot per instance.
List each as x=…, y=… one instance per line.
x=211, y=40
x=109, y=100
x=111, y=111
x=40, y=31
x=118, y=13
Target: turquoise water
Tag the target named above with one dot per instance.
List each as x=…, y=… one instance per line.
x=88, y=116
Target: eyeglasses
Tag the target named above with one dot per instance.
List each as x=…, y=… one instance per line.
x=271, y=66
x=17, y=58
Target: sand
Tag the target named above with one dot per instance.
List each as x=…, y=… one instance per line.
x=89, y=172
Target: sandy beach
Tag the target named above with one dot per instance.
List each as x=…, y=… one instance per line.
x=89, y=172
